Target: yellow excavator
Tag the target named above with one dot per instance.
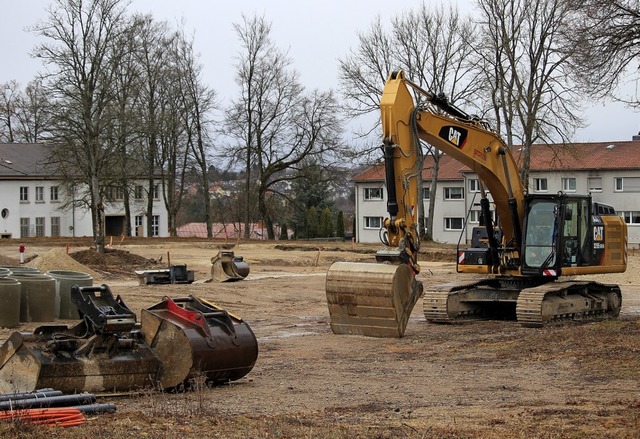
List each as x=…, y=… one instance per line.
x=537, y=239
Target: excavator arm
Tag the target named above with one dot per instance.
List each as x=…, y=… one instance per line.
x=377, y=299
x=462, y=137
x=542, y=236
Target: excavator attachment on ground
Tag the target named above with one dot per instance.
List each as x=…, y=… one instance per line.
x=109, y=351
x=194, y=338
x=371, y=299
x=226, y=267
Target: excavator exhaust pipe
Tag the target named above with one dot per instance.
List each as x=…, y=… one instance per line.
x=177, y=341
x=375, y=300
x=226, y=267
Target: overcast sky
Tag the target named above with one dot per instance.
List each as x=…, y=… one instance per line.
x=316, y=33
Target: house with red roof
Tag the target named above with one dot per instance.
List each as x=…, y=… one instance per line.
x=608, y=171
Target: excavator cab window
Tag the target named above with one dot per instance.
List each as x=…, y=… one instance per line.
x=541, y=234
x=575, y=239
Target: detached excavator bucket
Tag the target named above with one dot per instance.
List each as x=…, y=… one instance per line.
x=225, y=267
x=54, y=358
x=108, y=351
x=103, y=352
x=196, y=338
x=371, y=299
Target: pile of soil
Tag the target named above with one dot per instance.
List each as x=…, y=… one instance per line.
x=114, y=262
x=58, y=259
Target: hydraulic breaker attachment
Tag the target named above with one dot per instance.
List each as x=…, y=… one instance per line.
x=371, y=299
x=225, y=267
x=194, y=338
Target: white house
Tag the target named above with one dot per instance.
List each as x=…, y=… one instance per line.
x=34, y=202
x=609, y=171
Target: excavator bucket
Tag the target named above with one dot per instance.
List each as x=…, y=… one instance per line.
x=100, y=353
x=225, y=267
x=195, y=338
x=109, y=351
x=371, y=299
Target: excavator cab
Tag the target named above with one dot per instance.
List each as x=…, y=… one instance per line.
x=569, y=234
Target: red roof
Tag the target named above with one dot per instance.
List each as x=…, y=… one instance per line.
x=575, y=156
x=227, y=231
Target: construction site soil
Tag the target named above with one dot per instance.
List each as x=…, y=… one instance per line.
x=490, y=379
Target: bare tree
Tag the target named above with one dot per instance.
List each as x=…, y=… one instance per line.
x=276, y=123
x=33, y=113
x=606, y=36
x=434, y=48
x=24, y=115
x=152, y=53
x=198, y=102
x=80, y=52
x=9, y=102
x=525, y=57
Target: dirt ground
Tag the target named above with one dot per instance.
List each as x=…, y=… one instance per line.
x=477, y=379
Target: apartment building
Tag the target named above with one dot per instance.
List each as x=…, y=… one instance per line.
x=34, y=203
x=608, y=171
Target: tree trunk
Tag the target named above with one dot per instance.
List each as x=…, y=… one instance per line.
x=432, y=196
x=97, y=212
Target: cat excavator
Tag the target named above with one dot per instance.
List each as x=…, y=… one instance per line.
x=524, y=264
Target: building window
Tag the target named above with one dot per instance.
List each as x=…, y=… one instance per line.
x=453, y=223
x=139, y=221
x=373, y=193
x=155, y=225
x=156, y=192
x=540, y=184
x=595, y=184
x=372, y=222
x=569, y=184
x=114, y=193
x=39, y=194
x=53, y=192
x=25, y=226
x=627, y=184
x=55, y=226
x=24, y=194
x=474, y=216
x=474, y=185
x=139, y=192
x=426, y=193
x=454, y=193
x=40, y=227
x=632, y=217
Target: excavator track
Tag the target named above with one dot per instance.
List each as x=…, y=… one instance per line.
x=442, y=303
x=567, y=300
x=534, y=306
